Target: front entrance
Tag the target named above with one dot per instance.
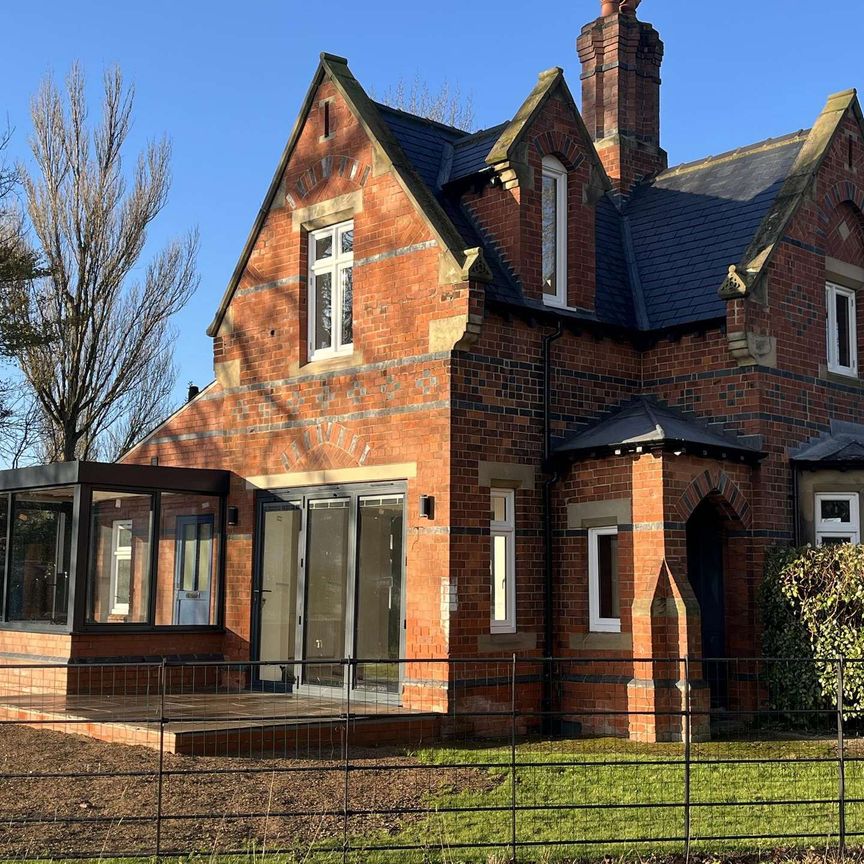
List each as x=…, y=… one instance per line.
x=329, y=584
x=705, y=571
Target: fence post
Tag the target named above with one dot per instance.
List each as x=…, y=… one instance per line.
x=841, y=760
x=688, y=737
x=513, y=758
x=163, y=684
x=347, y=761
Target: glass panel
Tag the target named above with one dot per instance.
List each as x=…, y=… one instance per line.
x=844, y=350
x=324, y=246
x=835, y=510
x=347, y=241
x=323, y=310
x=379, y=591
x=326, y=590
x=347, y=285
x=499, y=508
x=550, y=235
x=279, y=563
x=40, y=554
x=118, y=584
x=499, y=577
x=186, y=592
x=190, y=555
x=836, y=540
x=607, y=563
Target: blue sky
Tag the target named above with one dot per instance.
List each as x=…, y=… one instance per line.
x=225, y=80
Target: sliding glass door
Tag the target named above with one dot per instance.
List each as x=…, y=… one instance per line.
x=329, y=585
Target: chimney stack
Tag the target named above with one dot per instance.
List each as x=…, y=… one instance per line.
x=621, y=58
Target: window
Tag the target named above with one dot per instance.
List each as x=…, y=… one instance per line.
x=842, y=331
x=554, y=229
x=121, y=566
x=836, y=518
x=331, y=284
x=194, y=569
x=603, y=586
x=502, y=564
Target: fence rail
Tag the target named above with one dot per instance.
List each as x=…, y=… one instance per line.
x=424, y=759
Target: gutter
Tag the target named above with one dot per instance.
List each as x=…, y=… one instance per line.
x=549, y=560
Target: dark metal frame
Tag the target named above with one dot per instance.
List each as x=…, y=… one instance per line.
x=354, y=491
x=84, y=478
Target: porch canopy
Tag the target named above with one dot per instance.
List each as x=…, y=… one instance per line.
x=92, y=546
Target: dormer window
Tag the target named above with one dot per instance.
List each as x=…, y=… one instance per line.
x=331, y=284
x=842, y=330
x=554, y=228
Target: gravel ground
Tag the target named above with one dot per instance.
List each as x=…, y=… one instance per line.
x=109, y=816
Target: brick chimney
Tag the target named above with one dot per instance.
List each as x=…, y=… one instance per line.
x=621, y=58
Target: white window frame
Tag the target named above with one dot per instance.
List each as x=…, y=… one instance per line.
x=837, y=530
x=596, y=623
x=832, y=291
x=334, y=265
x=554, y=169
x=120, y=553
x=507, y=530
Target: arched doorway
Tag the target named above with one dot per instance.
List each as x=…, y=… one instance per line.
x=705, y=570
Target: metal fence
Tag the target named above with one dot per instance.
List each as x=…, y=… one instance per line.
x=429, y=760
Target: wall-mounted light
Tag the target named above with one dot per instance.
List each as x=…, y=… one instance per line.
x=233, y=515
x=427, y=506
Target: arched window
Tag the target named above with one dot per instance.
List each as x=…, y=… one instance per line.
x=554, y=232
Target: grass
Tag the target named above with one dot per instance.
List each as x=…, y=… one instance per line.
x=768, y=803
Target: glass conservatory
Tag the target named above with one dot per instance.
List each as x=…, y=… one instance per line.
x=88, y=546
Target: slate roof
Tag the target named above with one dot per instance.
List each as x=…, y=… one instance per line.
x=661, y=256
x=693, y=221
x=646, y=422
x=843, y=445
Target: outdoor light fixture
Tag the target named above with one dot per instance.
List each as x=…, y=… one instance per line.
x=233, y=515
x=427, y=506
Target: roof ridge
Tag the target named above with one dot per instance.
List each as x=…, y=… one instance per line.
x=446, y=126
x=489, y=130
x=729, y=155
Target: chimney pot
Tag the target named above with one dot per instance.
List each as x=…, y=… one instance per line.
x=613, y=7
x=193, y=392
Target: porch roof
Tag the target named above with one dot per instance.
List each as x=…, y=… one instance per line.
x=842, y=446
x=644, y=422
x=122, y=475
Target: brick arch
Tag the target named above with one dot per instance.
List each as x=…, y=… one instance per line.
x=719, y=487
x=346, y=167
x=561, y=146
x=844, y=192
x=326, y=445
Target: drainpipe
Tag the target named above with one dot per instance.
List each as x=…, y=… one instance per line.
x=548, y=576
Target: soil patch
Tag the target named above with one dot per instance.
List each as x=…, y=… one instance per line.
x=210, y=805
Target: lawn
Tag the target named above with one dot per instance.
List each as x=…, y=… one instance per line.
x=572, y=794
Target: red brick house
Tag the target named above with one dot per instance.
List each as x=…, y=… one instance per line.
x=526, y=390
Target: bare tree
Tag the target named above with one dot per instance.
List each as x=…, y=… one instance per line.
x=446, y=106
x=104, y=373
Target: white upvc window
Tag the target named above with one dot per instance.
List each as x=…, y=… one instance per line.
x=836, y=518
x=604, y=602
x=554, y=232
x=502, y=563
x=121, y=566
x=331, y=291
x=842, y=330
